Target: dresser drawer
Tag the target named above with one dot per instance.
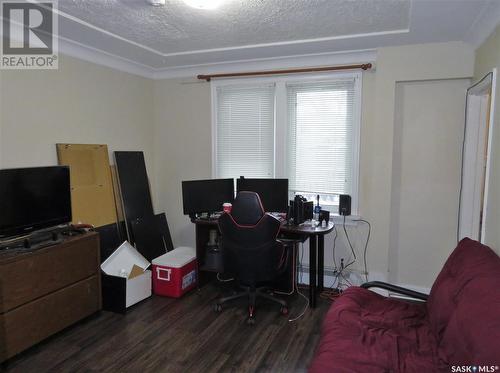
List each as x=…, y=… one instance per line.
x=47, y=270
x=35, y=321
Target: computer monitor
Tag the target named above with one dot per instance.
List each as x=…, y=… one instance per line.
x=206, y=196
x=273, y=192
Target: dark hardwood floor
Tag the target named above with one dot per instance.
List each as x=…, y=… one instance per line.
x=185, y=335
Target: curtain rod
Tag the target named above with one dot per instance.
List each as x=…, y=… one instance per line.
x=364, y=66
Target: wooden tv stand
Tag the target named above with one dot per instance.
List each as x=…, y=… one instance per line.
x=46, y=290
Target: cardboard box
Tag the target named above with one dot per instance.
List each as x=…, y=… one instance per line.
x=125, y=279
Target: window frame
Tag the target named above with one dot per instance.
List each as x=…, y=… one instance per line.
x=281, y=118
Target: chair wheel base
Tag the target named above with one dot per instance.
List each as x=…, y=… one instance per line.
x=217, y=307
x=251, y=321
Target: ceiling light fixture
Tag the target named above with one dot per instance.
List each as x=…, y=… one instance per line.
x=204, y=4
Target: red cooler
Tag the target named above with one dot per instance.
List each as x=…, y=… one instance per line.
x=175, y=273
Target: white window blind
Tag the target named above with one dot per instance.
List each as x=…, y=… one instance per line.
x=245, y=131
x=320, y=137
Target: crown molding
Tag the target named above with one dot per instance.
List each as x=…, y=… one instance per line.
x=284, y=62
x=484, y=24
x=106, y=32
x=99, y=57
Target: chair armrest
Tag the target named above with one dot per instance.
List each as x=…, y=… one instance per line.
x=396, y=289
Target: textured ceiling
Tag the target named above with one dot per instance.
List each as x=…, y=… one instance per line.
x=136, y=35
x=177, y=27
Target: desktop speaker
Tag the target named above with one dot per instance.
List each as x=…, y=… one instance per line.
x=345, y=204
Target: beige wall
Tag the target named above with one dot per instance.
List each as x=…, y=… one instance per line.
x=428, y=136
x=182, y=145
x=171, y=121
x=183, y=139
x=80, y=102
x=398, y=64
x=487, y=58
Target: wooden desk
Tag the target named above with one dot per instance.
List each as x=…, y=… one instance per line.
x=316, y=237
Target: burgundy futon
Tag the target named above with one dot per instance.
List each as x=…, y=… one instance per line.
x=457, y=329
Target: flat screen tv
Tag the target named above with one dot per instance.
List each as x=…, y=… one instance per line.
x=33, y=198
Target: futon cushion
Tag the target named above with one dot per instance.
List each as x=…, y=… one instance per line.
x=366, y=332
x=464, y=306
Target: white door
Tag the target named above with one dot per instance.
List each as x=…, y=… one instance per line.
x=476, y=158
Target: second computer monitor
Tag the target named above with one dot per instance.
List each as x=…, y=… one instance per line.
x=206, y=196
x=273, y=192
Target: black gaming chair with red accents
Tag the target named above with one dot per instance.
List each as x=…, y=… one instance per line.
x=252, y=254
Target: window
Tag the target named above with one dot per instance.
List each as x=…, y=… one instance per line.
x=303, y=128
x=321, y=141
x=245, y=131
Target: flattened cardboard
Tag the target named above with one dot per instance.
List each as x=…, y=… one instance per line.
x=136, y=271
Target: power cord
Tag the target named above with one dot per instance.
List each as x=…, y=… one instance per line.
x=366, y=245
x=350, y=246
x=298, y=289
x=305, y=306
x=223, y=280
x=333, y=249
x=333, y=291
x=342, y=276
x=339, y=272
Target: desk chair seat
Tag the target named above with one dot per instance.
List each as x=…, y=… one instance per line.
x=252, y=254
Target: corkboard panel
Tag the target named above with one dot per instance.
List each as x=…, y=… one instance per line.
x=92, y=196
